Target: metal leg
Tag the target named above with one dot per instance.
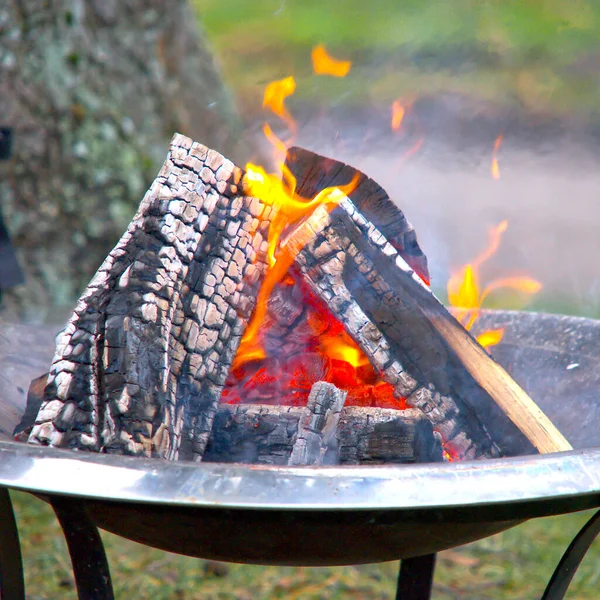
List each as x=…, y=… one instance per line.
x=12, y=584
x=569, y=563
x=88, y=557
x=415, y=578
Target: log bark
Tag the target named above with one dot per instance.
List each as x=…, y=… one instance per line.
x=317, y=427
x=395, y=319
x=262, y=434
x=141, y=365
x=314, y=173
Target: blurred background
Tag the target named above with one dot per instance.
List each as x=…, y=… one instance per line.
x=467, y=113
x=513, y=81
x=91, y=93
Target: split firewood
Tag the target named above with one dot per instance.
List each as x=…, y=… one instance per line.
x=317, y=427
x=286, y=328
x=314, y=172
x=141, y=365
x=255, y=433
x=410, y=337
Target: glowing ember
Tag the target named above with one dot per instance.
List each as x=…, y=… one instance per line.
x=324, y=353
x=495, y=168
x=324, y=64
x=331, y=337
x=466, y=297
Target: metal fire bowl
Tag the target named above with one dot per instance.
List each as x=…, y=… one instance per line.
x=350, y=515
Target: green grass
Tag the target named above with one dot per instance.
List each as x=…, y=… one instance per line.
x=542, y=55
x=513, y=565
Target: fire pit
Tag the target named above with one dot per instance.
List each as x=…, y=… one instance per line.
x=345, y=515
x=315, y=287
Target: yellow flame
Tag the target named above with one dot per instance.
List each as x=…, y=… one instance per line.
x=495, y=167
x=491, y=337
x=398, y=112
x=324, y=64
x=343, y=347
x=279, y=148
x=524, y=284
x=464, y=291
x=290, y=208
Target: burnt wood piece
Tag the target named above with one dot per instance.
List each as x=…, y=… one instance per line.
x=35, y=397
x=264, y=434
x=318, y=425
x=314, y=173
x=141, y=364
x=403, y=329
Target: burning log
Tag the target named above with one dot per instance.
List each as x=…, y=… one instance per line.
x=313, y=173
x=141, y=365
x=258, y=433
x=429, y=358
x=317, y=427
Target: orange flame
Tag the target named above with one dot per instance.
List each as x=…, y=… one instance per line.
x=398, y=112
x=274, y=99
x=280, y=193
x=495, y=167
x=328, y=353
x=324, y=64
x=464, y=291
x=334, y=342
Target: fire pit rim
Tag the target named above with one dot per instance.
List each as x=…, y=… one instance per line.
x=484, y=483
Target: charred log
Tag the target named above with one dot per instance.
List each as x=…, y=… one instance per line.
x=412, y=339
x=141, y=365
x=254, y=433
x=318, y=425
x=314, y=173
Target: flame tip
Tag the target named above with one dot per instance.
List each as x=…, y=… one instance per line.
x=325, y=64
x=465, y=295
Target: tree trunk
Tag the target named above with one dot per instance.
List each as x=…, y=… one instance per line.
x=92, y=92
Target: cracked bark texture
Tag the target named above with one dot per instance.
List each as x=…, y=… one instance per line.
x=141, y=364
x=388, y=310
x=93, y=91
x=263, y=434
x=317, y=428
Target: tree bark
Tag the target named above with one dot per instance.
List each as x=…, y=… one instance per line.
x=93, y=91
